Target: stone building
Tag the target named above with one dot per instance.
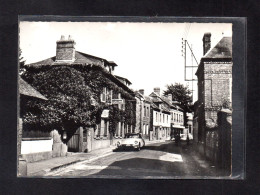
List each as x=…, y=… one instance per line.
x=115, y=95
x=214, y=89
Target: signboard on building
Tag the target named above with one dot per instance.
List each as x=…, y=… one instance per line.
x=105, y=114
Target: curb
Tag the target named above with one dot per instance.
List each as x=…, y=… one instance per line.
x=76, y=161
x=45, y=171
x=64, y=165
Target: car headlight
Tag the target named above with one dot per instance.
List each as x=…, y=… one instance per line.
x=118, y=143
x=136, y=142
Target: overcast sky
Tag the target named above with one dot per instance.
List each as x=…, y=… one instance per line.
x=148, y=54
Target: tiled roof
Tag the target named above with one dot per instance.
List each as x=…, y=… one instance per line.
x=223, y=49
x=80, y=58
x=148, y=99
x=124, y=79
x=28, y=90
x=153, y=105
x=165, y=99
x=84, y=59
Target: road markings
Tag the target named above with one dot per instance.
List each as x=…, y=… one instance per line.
x=171, y=157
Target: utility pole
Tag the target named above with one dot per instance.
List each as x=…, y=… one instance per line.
x=185, y=43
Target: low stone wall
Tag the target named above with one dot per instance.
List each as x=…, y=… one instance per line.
x=34, y=145
x=33, y=157
x=217, y=146
x=211, y=149
x=37, y=149
x=98, y=144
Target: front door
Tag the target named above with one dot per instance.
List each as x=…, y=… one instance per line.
x=73, y=143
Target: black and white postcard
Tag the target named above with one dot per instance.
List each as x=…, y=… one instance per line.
x=139, y=100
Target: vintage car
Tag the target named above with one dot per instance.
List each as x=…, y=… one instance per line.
x=131, y=140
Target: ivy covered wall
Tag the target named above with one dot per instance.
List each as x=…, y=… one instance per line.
x=71, y=91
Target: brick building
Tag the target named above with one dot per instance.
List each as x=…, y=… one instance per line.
x=214, y=87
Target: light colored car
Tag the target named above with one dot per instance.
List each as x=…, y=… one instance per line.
x=184, y=136
x=131, y=140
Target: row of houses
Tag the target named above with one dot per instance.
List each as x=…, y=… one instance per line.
x=86, y=107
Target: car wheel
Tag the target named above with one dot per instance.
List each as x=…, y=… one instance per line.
x=139, y=147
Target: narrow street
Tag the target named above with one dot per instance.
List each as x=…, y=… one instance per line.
x=160, y=160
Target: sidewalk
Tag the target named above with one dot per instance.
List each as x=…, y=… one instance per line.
x=42, y=167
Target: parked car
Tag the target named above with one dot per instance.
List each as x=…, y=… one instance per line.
x=131, y=140
x=184, y=136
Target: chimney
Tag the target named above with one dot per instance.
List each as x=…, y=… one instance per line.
x=141, y=91
x=206, y=42
x=157, y=90
x=170, y=97
x=65, y=50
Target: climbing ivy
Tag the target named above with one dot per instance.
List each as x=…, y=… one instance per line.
x=70, y=90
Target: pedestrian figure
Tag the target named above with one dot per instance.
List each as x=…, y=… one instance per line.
x=188, y=139
x=177, y=137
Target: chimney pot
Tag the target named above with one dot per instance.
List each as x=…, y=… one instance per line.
x=65, y=50
x=157, y=90
x=141, y=91
x=206, y=42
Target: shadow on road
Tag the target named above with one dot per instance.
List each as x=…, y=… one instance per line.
x=125, y=150
x=139, y=167
x=169, y=147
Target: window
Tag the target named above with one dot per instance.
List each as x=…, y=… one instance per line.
x=106, y=95
x=163, y=118
x=103, y=95
x=144, y=111
x=122, y=107
x=116, y=95
x=147, y=111
x=156, y=119
x=109, y=96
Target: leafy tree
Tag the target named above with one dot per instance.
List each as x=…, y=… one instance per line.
x=21, y=62
x=181, y=94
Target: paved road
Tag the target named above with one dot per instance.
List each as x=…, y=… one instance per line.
x=161, y=160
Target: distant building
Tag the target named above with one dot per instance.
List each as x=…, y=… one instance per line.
x=190, y=123
x=214, y=86
x=161, y=116
x=177, y=118
x=143, y=114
